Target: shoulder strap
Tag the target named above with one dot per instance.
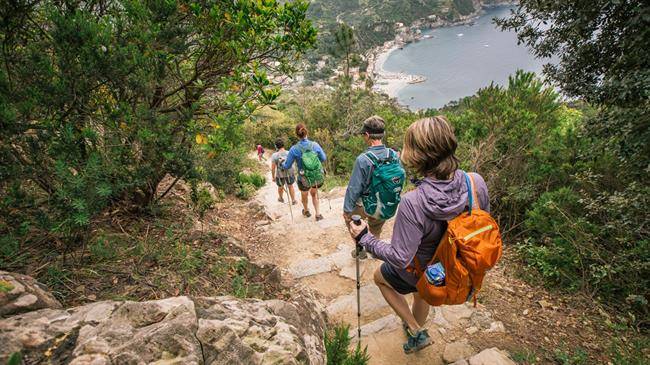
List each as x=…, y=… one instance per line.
x=389, y=155
x=372, y=157
x=301, y=148
x=472, y=195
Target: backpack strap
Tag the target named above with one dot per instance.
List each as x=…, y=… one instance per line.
x=305, y=149
x=390, y=156
x=472, y=196
x=372, y=158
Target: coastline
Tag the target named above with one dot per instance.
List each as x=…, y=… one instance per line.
x=390, y=83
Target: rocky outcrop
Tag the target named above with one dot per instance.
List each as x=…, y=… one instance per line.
x=177, y=330
x=21, y=293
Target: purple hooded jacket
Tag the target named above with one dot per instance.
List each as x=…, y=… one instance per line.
x=422, y=220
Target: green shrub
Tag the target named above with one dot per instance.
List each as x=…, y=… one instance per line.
x=16, y=358
x=337, y=347
x=5, y=286
x=554, y=187
x=254, y=179
x=257, y=180
x=201, y=199
x=245, y=191
x=94, y=111
x=576, y=357
x=624, y=354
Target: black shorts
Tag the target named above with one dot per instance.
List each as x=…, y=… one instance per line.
x=396, y=282
x=289, y=180
x=302, y=184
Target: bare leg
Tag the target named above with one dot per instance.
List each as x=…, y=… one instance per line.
x=420, y=309
x=280, y=191
x=314, y=200
x=396, y=301
x=292, y=193
x=305, y=202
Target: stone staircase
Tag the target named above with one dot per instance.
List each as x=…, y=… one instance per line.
x=317, y=255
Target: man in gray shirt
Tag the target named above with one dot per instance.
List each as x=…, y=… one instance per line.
x=281, y=176
x=373, y=132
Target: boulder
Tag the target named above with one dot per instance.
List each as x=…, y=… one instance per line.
x=22, y=293
x=177, y=330
x=496, y=327
x=457, y=351
x=491, y=356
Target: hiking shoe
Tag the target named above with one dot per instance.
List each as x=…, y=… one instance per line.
x=319, y=217
x=306, y=213
x=294, y=202
x=281, y=200
x=363, y=254
x=417, y=342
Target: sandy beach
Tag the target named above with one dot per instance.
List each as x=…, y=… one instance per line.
x=389, y=83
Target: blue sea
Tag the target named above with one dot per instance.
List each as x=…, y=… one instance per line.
x=459, y=60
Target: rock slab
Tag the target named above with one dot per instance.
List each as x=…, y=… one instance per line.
x=491, y=356
x=22, y=293
x=177, y=330
x=456, y=351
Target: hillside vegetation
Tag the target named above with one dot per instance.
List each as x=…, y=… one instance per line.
x=123, y=124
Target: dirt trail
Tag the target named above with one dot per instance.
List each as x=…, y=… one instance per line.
x=317, y=255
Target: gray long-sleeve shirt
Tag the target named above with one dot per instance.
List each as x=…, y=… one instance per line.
x=421, y=221
x=360, y=176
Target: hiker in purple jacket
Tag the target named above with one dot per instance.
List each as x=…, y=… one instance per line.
x=429, y=147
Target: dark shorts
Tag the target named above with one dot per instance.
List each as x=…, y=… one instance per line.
x=302, y=184
x=392, y=277
x=289, y=180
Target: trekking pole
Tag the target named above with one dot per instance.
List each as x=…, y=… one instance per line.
x=289, y=200
x=356, y=219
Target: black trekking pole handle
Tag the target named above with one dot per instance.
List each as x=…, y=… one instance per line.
x=356, y=219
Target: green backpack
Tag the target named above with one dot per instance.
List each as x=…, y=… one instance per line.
x=311, y=165
x=387, y=178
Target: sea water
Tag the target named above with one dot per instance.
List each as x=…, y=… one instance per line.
x=459, y=60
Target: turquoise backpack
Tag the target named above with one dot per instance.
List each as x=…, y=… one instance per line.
x=387, y=179
x=311, y=165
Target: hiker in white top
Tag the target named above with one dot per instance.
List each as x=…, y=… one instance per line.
x=283, y=178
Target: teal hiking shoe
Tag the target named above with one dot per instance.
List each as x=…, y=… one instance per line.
x=417, y=342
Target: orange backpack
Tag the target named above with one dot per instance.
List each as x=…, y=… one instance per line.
x=470, y=246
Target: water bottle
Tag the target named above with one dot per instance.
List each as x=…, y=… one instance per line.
x=435, y=274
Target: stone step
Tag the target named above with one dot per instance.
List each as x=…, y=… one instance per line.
x=371, y=300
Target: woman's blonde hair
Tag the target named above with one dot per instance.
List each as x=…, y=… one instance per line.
x=429, y=148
